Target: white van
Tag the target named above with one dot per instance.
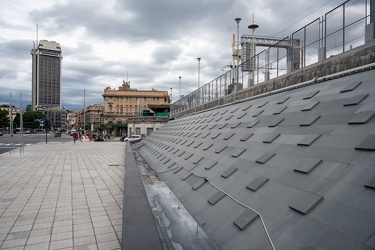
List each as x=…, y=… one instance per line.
x=133, y=138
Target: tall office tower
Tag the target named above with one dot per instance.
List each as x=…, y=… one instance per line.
x=46, y=75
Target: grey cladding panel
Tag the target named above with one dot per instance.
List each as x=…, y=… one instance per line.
x=258, y=113
x=198, y=184
x=219, y=150
x=252, y=124
x=362, y=118
x=355, y=100
x=367, y=144
x=255, y=184
x=351, y=87
x=308, y=165
x=172, y=164
x=245, y=219
x=204, y=136
x=310, y=106
x=276, y=122
x=238, y=152
x=208, y=146
x=188, y=156
x=186, y=175
x=234, y=110
x=311, y=95
x=215, y=136
x=228, y=136
x=198, y=160
x=216, y=197
x=246, y=108
x=177, y=170
x=263, y=104
x=210, y=165
x=241, y=116
x=180, y=154
x=213, y=126
x=283, y=100
x=235, y=125
x=265, y=157
x=223, y=125
x=176, y=151
x=247, y=136
x=271, y=138
x=309, y=139
x=305, y=202
x=229, y=172
x=278, y=111
x=229, y=117
x=370, y=183
x=310, y=120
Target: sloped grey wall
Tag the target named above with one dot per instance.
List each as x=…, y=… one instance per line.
x=304, y=159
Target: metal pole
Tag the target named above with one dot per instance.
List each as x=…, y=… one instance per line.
x=199, y=69
x=84, y=111
x=253, y=26
x=179, y=93
x=21, y=124
x=10, y=125
x=238, y=50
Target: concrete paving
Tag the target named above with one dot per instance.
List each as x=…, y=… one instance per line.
x=62, y=196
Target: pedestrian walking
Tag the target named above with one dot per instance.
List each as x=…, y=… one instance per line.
x=75, y=136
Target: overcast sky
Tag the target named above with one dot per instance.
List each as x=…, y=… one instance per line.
x=149, y=42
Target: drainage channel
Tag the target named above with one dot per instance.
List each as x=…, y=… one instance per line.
x=177, y=228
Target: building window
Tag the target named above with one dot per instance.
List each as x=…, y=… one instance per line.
x=149, y=130
x=121, y=109
x=110, y=107
x=137, y=131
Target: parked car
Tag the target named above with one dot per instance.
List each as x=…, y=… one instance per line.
x=133, y=138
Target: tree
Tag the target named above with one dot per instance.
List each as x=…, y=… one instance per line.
x=4, y=120
x=30, y=119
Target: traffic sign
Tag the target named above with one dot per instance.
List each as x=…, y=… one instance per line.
x=41, y=122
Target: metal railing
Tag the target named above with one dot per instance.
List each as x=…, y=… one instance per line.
x=338, y=31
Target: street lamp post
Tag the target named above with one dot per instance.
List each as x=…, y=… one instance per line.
x=253, y=26
x=238, y=50
x=199, y=69
x=179, y=93
x=171, y=94
x=199, y=73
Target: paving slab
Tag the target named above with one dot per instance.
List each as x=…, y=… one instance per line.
x=62, y=196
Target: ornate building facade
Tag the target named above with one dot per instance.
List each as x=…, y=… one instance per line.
x=125, y=103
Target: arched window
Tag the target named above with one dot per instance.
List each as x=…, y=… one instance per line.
x=121, y=109
x=110, y=107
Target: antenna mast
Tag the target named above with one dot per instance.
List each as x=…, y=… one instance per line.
x=37, y=42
